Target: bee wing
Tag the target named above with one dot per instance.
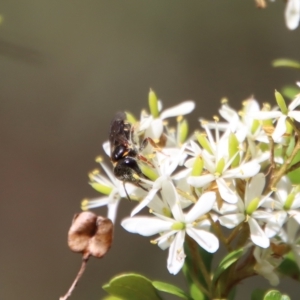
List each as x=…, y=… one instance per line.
x=118, y=131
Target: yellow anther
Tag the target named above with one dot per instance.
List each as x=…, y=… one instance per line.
x=99, y=159
x=224, y=101
x=179, y=118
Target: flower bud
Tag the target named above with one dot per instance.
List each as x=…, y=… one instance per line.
x=281, y=102
x=204, y=143
x=153, y=104
x=220, y=166
x=252, y=206
x=197, y=167
x=233, y=148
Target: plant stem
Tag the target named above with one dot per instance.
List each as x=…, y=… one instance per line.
x=72, y=287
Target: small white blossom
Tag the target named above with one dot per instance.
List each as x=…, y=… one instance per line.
x=153, y=127
x=173, y=230
x=292, y=14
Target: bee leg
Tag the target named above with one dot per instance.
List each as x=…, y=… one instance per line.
x=139, y=185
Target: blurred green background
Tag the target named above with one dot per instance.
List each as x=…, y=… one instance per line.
x=66, y=68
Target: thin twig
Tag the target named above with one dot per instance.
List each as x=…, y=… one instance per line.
x=72, y=287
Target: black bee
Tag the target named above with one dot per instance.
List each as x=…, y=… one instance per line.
x=124, y=152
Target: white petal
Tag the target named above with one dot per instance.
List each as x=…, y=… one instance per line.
x=244, y=171
x=231, y=221
x=178, y=110
x=275, y=223
x=265, y=115
x=200, y=181
x=176, y=253
x=292, y=229
x=292, y=14
x=294, y=103
x=146, y=226
x=165, y=240
x=226, y=192
x=202, y=206
x=205, y=239
x=255, y=187
x=106, y=148
x=155, y=130
x=280, y=128
x=295, y=115
x=144, y=202
x=169, y=193
x=258, y=236
x=112, y=210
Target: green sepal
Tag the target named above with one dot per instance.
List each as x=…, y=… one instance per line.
x=203, y=141
x=252, y=206
x=289, y=201
x=101, y=188
x=130, y=117
x=286, y=62
x=170, y=289
x=132, y=287
x=226, y=262
x=148, y=172
x=220, y=166
x=233, y=148
x=183, y=131
x=153, y=104
x=289, y=267
x=197, y=167
x=281, y=102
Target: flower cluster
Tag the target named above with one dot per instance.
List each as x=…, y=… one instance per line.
x=232, y=174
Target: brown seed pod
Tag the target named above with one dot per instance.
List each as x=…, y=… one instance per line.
x=90, y=234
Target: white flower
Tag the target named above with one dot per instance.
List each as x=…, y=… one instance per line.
x=286, y=206
x=292, y=14
x=247, y=210
x=291, y=238
x=165, y=164
x=112, y=188
x=266, y=264
x=281, y=118
x=154, y=126
x=173, y=230
x=218, y=163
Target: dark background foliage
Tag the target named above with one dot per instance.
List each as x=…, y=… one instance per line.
x=66, y=68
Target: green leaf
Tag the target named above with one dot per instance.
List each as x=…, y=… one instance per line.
x=289, y=267
x=170, y=289
x=132, y=287
x=227, y=261
x=259, y=294
x=290, y=91
x=111, y=298
x=275, y=295
x=196, y=293
x=285, y=62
